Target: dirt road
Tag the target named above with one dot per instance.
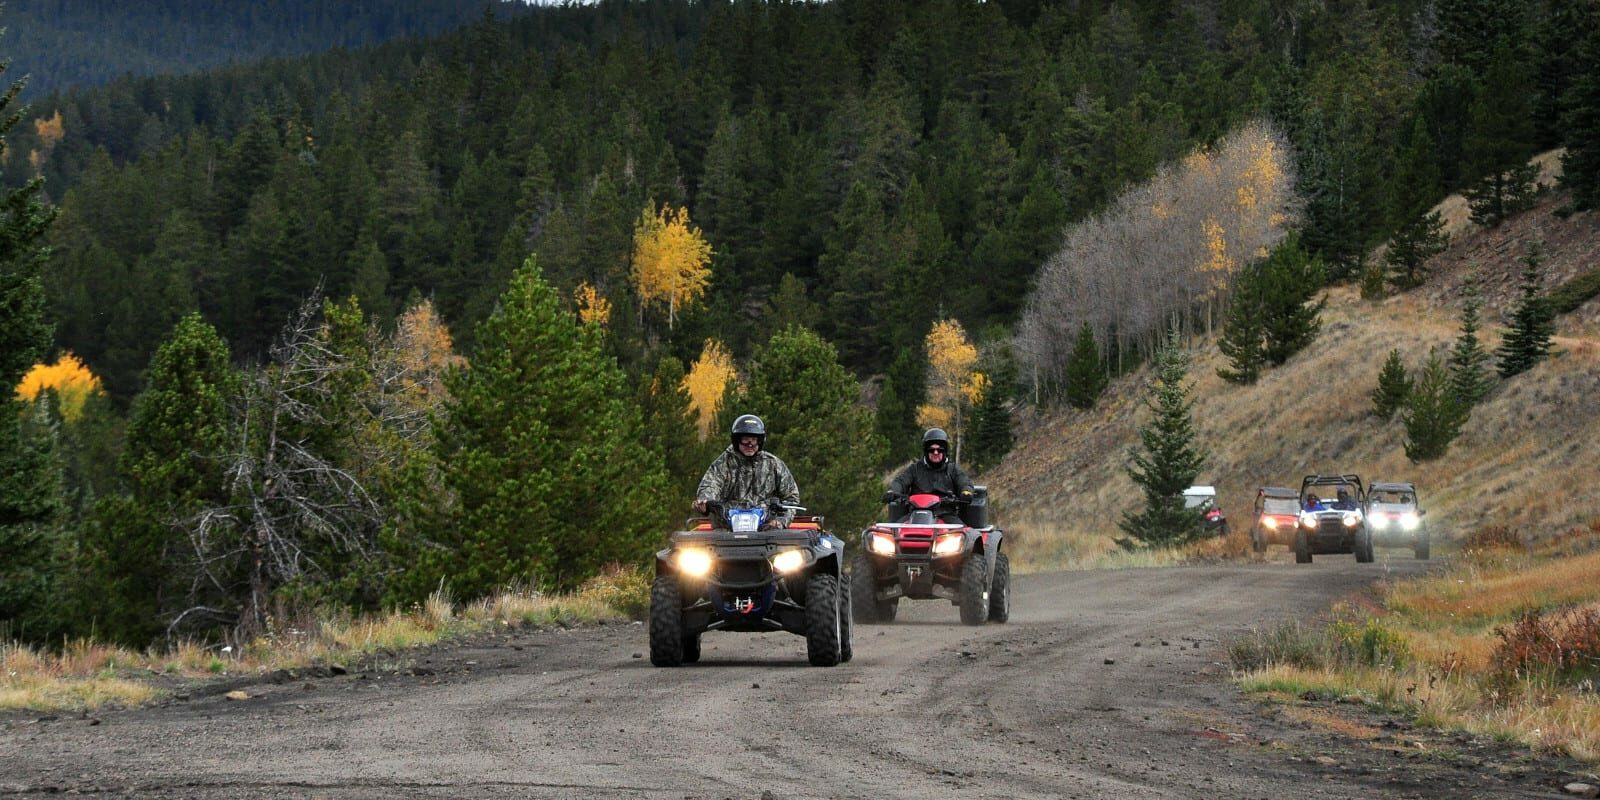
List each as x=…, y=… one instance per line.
x=1104, y=685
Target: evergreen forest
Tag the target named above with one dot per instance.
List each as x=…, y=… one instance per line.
x=66, y=43
x=477, y=309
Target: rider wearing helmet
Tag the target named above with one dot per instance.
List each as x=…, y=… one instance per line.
x=746, y=474
x=933, y=473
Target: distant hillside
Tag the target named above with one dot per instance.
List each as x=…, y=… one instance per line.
x=62, y=43
x=1524, y=460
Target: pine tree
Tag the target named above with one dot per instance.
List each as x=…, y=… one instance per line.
x=138, y=553
x=1433, y=413
x=1500, y=143
x=816, y=424
x=669, y=429
x=541, y=446
x=1468, y=363
x=1581, y=122
x=1170, y=457
x=1415, y=242
x=1419, y=232
x=1243, y=340
x=905, y=389
x=26, y=509
x=33, y=546
x=1532, y=321
x=1085, y=372
x=1394, y=387
x=1292, y=277
x=991, y=438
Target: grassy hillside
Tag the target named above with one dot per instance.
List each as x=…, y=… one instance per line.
x=1524, y=460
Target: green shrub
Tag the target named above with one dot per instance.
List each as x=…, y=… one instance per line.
x=1568, y=296
x=1370, y=645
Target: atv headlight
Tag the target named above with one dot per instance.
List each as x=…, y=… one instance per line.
x=947, y=544
x=881, y=543
x=1352, y=520
x=1410, y=520
x=1308, y=520
x=1379, y=520
x=694, y=562
x=1271, y=523
x=788, y=561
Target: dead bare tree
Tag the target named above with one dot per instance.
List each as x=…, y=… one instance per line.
x=292, y=502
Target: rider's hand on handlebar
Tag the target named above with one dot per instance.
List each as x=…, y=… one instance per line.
x=891, y=497
x=700, y=506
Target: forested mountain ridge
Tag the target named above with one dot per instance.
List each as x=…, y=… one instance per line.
x=65, y=43
x=855, y=146
x=630, y=219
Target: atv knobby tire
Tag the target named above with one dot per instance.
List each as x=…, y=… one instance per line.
x=823, y=634
x=846, y=623
x=1302, y=547
x=1363, y=548
x=974, y=590
x=864, y=600
x=1421, y=546
x=666, y=623
x=1000, y=590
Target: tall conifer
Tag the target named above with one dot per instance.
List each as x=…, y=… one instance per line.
x=24, y=336
x=1169, y=456
x=1532, y=321
x=1394, y=387
x=816, y=424
x=1433, y=413
x=541, y=446
x=1468, y=363
x=139, y=553
x=1086, y=372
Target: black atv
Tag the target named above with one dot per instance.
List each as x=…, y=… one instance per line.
x=724, y=573
x=921, y=557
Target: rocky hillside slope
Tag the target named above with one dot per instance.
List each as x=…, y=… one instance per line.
x=1526, y=459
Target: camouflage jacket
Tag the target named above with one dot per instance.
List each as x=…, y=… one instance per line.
x=733, y=479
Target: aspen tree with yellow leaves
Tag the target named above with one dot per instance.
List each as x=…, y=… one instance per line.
x=953, y=383
x=593, y=307
x=71, y=381
x=671, y=259
x=707, y=384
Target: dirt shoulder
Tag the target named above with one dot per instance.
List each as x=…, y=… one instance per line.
x=1105, y=685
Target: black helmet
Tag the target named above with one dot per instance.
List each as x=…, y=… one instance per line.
x=749, y=425
x=930, y=438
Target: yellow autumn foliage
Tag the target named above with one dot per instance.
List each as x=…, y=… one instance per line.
x=953, y=384
x=593, y=307
x=49, y=130
x=706, y=382
x=671, y=259
x=71, y=381
x=425, y=351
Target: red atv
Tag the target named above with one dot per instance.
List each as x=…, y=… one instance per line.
x=922, y=557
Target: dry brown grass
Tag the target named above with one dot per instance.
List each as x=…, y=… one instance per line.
x=1520, y=461
x=1479, y=660
x=86, y=674
x=1481, y=596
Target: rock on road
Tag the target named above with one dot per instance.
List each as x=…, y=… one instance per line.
x=1105, y=684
